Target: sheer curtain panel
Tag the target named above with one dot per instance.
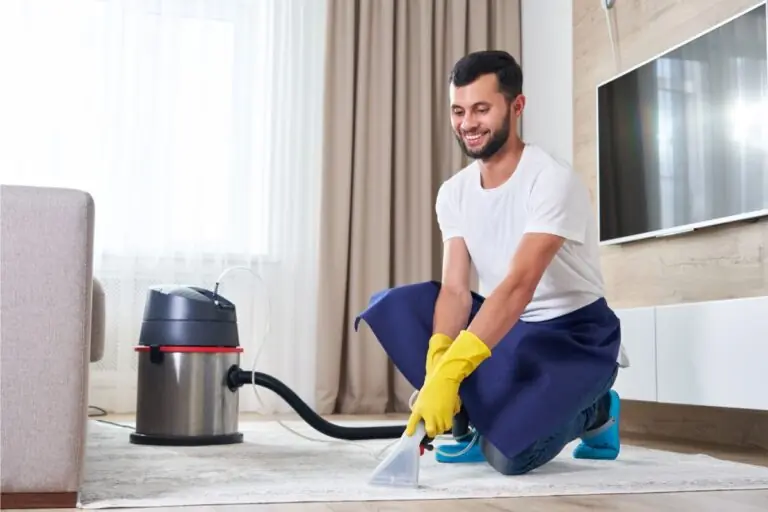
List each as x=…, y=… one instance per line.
x=197, y=127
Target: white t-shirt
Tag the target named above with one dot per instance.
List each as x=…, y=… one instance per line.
x=543, y=195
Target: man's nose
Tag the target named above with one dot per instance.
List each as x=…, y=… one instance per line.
x=468, y=123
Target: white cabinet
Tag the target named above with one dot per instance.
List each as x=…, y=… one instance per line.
x=638, y=381
x=713, y=353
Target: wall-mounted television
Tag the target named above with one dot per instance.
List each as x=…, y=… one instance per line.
x=683, y=138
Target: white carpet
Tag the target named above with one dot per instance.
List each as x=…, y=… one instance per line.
x=276, y=466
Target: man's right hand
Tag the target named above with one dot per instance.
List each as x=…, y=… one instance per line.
x=453, y=303
x=438, y=344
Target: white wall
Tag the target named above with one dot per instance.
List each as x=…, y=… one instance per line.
x=548, y=75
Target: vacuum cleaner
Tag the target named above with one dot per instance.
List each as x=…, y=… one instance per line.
x=189, y=373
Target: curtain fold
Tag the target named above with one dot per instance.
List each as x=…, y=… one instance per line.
x=197, y=127
x=388, y=147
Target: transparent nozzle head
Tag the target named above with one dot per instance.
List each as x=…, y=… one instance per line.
x=401, y=467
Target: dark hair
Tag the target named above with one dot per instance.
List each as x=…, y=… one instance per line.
x=472, y=66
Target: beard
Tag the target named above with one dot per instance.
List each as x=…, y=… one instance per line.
x=494, y=145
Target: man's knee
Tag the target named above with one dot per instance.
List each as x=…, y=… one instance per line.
x=533, y=457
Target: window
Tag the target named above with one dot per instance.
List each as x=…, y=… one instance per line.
x=163, y=115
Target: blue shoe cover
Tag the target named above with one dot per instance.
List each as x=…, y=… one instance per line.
x=457, y=452
x=604, y=443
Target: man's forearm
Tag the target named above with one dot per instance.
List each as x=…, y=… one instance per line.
x=500, y=312
x=451, y=312
x=504, y=306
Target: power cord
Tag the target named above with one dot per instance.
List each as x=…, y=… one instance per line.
x=103, y=412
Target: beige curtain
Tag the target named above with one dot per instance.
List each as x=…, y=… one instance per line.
x=388, y=147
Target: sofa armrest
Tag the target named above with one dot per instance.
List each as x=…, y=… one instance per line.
x=46, y=272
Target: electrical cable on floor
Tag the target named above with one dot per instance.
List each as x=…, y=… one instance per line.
x=103, y=412
x=116, y=424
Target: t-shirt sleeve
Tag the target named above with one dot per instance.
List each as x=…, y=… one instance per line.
x=447, y=210
x=559, y=205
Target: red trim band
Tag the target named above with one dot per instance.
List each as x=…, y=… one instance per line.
x=199, y=350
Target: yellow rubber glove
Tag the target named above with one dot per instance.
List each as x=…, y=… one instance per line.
x=438, y=344
x=437, y=399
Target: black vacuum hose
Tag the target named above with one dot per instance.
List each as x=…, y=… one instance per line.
x=239, y=377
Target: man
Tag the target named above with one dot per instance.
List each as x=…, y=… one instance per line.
x=532, y=364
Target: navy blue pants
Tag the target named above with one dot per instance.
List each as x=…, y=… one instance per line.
x=538, y=388
x=548, y=447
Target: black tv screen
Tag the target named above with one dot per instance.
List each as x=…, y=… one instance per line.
x=683, y=138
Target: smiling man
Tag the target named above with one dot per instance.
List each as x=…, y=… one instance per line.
x=530, y=362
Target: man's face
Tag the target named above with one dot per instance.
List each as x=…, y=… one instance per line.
x=482, y=118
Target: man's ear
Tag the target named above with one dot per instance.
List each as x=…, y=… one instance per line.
x=518, y=105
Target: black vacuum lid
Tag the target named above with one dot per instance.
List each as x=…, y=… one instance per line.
x=190, y=303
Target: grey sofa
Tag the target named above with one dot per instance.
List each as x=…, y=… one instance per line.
x=51, y=329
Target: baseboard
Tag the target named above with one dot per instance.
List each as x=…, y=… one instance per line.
x=30, y=500
x=738, y=428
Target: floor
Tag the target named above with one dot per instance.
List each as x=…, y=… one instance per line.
x=736, y=501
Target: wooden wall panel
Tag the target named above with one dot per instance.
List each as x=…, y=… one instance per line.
x=717, y=263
